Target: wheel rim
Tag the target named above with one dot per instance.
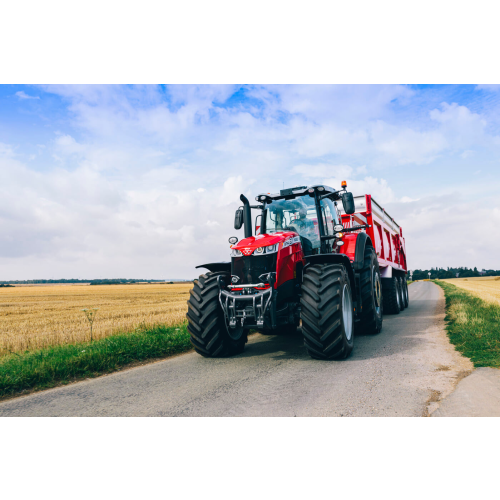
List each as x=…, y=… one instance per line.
x=398, y=299
x=377, y=292
x=347, y=311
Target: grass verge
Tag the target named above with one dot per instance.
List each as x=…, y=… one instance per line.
x=49, y=367
x=473, y=325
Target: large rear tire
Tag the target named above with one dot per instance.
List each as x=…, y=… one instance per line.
x=327, y=312
x=371, y=294
x=392, y=296
x=210, y=336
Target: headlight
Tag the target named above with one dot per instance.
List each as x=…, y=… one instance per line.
x=266, y=250
x=272, y=248
x=235, y=253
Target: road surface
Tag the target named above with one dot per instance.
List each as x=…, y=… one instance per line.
x=403, y=371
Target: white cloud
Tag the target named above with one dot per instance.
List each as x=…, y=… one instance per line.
x=333, y=175
x=461, y=126
x=22, y=95
x=322, y=170
x=68, y=145
x=378, y=188
x=407, y=146
x=6, y=150
x=491, y=87
x=443, y=231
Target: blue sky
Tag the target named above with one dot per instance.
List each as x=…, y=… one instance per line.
x=143, y=181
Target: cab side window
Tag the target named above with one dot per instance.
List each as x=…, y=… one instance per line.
x=329, y=215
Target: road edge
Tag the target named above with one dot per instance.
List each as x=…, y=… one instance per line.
x=461, y=368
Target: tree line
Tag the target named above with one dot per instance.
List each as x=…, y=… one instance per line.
x=452, y=272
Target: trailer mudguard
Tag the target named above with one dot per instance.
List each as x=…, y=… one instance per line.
x=359, y=256
x=217, y=267
x=335, y=258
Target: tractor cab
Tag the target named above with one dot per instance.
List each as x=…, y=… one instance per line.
x=311, y=212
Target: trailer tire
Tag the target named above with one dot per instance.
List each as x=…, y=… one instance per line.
x=406, y=297
x=402, y=293
x=392, y=295
x=371, y=294
x=327, y=311
x=207, y=327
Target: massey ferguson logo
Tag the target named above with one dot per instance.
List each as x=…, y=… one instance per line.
x=247, y=251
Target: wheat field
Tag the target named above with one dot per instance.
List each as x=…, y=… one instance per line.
x=486, y=288
x=41, y=316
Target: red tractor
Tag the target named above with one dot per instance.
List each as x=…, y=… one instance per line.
x=332, y=268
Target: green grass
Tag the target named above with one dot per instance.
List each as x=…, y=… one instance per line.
x=473, y=325
x=62, y=364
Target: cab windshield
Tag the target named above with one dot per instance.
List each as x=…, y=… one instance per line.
x=297, y=215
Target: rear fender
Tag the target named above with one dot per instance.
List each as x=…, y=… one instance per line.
x=358, y=243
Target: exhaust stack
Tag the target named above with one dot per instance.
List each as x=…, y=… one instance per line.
x=247, y=216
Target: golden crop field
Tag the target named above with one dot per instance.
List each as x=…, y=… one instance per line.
x=41, y=316
x=486, y=288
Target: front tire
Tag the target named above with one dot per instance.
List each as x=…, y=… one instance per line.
x=210, y=335
x=371, y=294
x=327, y=312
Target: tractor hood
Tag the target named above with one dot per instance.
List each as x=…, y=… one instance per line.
x=262, y=240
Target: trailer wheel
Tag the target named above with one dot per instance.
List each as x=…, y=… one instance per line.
x=371, y=294
x=402, y=293
x=210, y=335
x=327, y=312
x=406, y=297
x=392, y=295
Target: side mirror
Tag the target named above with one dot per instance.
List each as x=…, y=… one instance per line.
x=348, y=202
x=238, y=218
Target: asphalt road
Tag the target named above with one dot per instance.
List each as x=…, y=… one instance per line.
x=403, y=371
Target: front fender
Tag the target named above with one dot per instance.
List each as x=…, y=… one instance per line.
x=217, y=267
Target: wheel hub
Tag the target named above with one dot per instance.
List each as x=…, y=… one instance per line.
x=347, y=312
x=377, y=288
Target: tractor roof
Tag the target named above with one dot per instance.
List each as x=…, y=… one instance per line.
x=290, y=193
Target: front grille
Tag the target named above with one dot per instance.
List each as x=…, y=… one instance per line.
x=248, y=269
